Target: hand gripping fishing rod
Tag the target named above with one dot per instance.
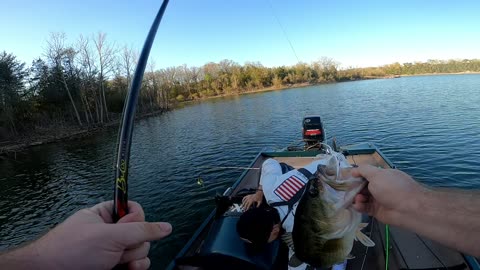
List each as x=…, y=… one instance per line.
x=120, y=208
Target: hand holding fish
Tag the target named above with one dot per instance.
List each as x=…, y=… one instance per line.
x=389, y=193
x=448, y=216
x=90, y=240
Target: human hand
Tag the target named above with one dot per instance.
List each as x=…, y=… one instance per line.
x=90, y=240
x=389, y=193
x=249, y=200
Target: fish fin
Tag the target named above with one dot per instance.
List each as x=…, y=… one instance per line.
x=362, y=226
x=294, y=261
x=350, y=257
x=365, y=240
x=288, y=240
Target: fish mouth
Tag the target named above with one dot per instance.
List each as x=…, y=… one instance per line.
x=330, y=171
x=326, y=173
x=337, y=188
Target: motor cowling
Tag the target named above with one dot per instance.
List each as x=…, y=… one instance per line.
x=312, y=130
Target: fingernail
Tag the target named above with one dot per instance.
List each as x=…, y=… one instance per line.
x=165, y=226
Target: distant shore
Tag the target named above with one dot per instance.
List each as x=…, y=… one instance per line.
x=283, y=87
x=69, y=133
x=440, y=73
x=266, y=89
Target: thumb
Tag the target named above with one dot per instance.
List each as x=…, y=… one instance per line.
x=134, y=233
x=365, y=171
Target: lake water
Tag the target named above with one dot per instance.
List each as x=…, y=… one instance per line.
x=428, y=126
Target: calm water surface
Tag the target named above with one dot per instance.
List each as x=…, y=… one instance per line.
x=428, y=126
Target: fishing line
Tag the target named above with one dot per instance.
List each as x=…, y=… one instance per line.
x=283, y=29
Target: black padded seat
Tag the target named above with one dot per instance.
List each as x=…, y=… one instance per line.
x=223, y=249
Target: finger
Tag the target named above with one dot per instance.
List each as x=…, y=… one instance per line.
x=135, y=213
x=366, y=171
x=134, y=207
x=104, y=210
x=365, y=191
x=244, y=207
x=132, y=247
x=259, y=203
x=134, y=233
x=135, y=254
x=244, y=202
x=360, y=198
x=142, y=264
x=362, y=207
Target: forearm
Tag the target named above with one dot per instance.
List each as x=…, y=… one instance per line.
x=27, y=257
x=450, y=217
x=260, y=191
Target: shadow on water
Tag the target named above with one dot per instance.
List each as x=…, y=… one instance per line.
x=428, y=126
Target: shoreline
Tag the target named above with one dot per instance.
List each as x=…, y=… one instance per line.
x=71, y=133
x=62, y=134
x=267, y=89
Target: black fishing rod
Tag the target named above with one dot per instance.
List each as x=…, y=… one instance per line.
x=120, y=208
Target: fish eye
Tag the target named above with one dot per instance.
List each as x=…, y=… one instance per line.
x=313, y=191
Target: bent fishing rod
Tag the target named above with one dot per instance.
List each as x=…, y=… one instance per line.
x=120, y=208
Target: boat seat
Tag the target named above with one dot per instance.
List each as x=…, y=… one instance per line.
x=223, y=249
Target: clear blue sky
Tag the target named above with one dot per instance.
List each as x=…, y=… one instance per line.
x=355, y=33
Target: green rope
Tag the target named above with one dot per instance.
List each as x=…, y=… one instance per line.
x=387, y=244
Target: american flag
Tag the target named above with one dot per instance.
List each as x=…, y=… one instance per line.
x=289, y=188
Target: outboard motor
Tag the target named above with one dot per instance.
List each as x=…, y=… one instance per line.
x=313, y=132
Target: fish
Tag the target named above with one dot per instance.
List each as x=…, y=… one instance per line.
x=325, y=224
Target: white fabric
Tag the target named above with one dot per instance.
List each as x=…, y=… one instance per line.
x=272, y=177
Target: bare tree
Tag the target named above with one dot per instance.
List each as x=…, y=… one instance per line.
x=128, y=60
x=190, y=78
x=87, y=75
x=56, y=52
x=151, y=85
x=106, y=60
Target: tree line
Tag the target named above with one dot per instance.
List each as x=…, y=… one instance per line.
x=84, y=84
